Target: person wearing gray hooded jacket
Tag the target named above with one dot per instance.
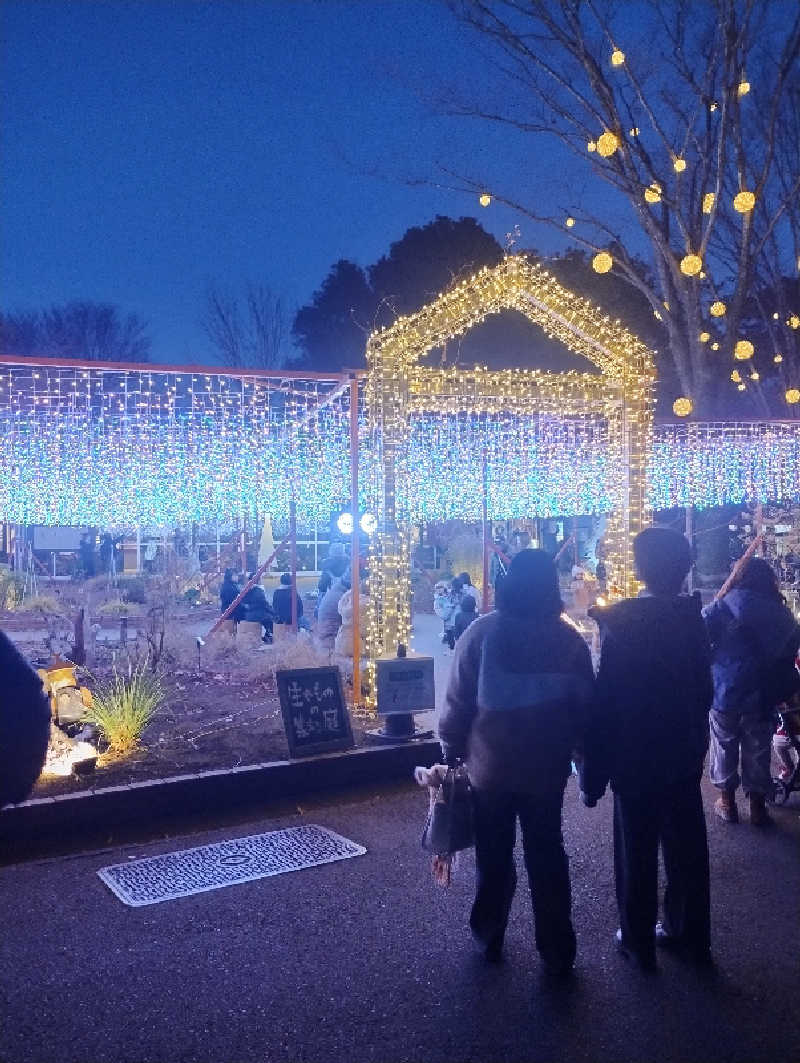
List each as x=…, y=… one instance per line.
x=753, y=634
x=516, y=708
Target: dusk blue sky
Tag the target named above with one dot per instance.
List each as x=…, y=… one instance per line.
x=150, y=147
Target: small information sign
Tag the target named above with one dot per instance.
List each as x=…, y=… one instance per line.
x=405, y=684
x=314, y=710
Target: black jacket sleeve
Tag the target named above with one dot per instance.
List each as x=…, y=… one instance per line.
x=24, y=724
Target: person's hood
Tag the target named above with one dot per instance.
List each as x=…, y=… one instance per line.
x=642, y=623
x=770, y=620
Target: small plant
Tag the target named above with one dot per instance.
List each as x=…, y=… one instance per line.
x=123, y=706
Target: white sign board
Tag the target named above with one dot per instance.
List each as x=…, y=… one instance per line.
x=405, y=684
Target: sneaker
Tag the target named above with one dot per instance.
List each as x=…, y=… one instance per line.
x=725, y=807
x=759, y=817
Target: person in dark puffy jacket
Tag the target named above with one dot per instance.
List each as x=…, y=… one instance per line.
x=751, y=630
x=648, y=737
x=516, y=705
x=24, y=725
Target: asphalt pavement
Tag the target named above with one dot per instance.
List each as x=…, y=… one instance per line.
x=368, y=960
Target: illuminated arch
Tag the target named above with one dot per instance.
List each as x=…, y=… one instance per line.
x=398, y=385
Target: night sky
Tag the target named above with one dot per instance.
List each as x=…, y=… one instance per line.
x=148, y=148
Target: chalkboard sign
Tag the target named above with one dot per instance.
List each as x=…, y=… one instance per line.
x=314, y=710
x=405, y=684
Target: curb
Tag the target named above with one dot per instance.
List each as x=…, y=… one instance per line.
x=211, y=791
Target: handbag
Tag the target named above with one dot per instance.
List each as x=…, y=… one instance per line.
x=449, y=827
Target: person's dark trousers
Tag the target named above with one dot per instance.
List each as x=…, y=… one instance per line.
x=672, y=816
x=546, y=862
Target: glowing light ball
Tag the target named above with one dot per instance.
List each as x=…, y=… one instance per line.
x=736, y=376
x=607, y=144
x=708, y=202
x=679, y=165
x=743, y=350
x=705, y=337
x=634, y=131
x=778, y=359
x=652, y=194
x=755, y=376
x=344, y=523
x=682, y=407
x=793, y=396
x=712, y=107
x=691, y=265
x=617, y=57
x=742, y=387
x=718, y=308
x=569, y=222
x=743, y=88
x=591, y=146
x=715, y=346
x=794, y=321
x=743, y=202
x=602, y=262
x=485, y=199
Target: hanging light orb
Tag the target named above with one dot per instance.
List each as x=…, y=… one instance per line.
x=717, y=308
x=736, y=376
x=743, y=350
x=712, y=106
x=743, y=202
x=657, y=315
x=484, y=199
x=691, y=265
x=591, y=146
x=743, y=88
x=634, y=131
x=794, y=321
x=652, y=194
x=792, y=396
x=778, y=359
x=775, y=316
x=702, y=274
x=682, y=407
x=743, y=387
x=617, y=57
x=679, y=165
x=569, y=222
x=715, y=346
x=708, y=202
x=705, y=337
x=607, y=144
x=602, y=262
x=755, y=375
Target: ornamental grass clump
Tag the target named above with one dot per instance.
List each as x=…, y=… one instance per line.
x=123, y=706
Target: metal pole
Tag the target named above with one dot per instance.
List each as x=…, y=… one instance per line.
x=355, y=544
x=690, y=536
x=293, y=559
x=485, y=534
x=575, y=554
x=138, y=548
x=758, y=528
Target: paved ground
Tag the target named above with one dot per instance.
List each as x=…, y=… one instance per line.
x=367, y=960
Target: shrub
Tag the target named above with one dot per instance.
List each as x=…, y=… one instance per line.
x=10, y=590
x=43, y=603
x=124, y=705
x=133, y=590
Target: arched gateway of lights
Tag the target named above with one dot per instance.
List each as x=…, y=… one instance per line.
x=153, y=447
x=399, y=388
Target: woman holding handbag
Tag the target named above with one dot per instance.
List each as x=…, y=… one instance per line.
x=516, y=708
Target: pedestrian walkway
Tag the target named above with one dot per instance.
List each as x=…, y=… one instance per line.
x=366, y=960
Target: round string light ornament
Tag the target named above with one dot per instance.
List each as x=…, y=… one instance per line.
x=715, y=346
x=743, y=88
x=691, y=265
x=591, y=146
x=778, y=359
x=794, y=322
x=743, y=202
x=602, y=262
x=682, y=407
x=617, y=57
x=569, y=222
x=679, y=165
x=607, y=144
x=652, y=194
x=743, y=350
x=736, y=376
x=775, y=316
x=743, y=387
x=717, y=308
x=485, y=199
x=705, y=337
x=792, y=396
x=755, y=375
x=708, y=202
x=634, y=131
x=712, y=106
